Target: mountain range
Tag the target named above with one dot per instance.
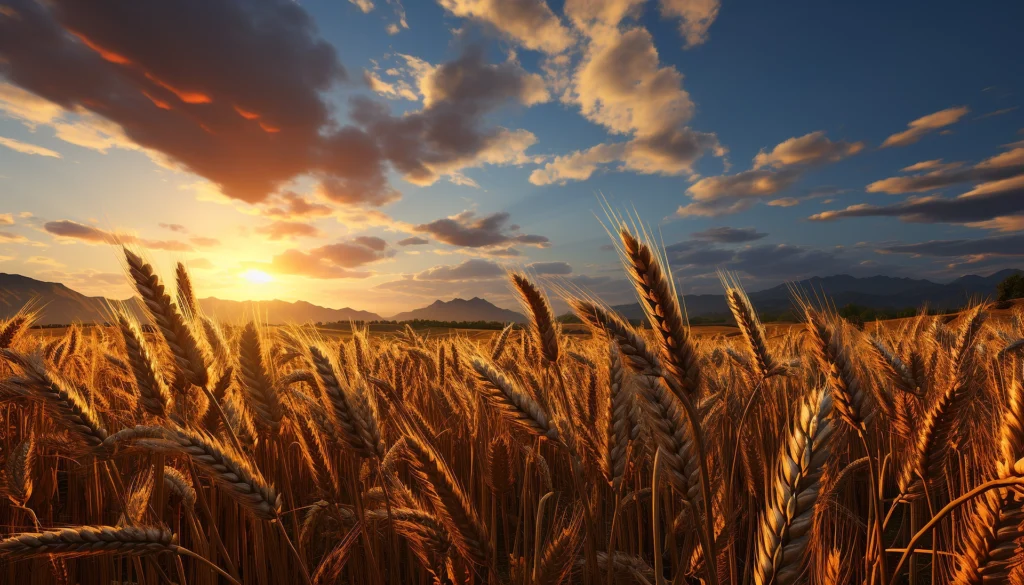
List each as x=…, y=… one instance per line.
x=59, y=304
x=876, y=292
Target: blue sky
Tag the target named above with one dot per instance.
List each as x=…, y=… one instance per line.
x=380, y=155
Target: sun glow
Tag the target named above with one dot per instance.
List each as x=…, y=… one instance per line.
x=256, y=276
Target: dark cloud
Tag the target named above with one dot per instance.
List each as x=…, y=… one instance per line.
x=413, y=241
x=784, y=261
x=695, y=258
x=174, y=227
x=550, y=268
x=728, y=235
x=71, y=229
x=1008, y=245
x=468, y=230
x=231, y=91
x=989, y=201
x=451, y=132
x=279, y=230
x=474, y=269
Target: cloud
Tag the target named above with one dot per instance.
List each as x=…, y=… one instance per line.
x=12, y=238
x=1001, y=166
x=772, y=173
x=372, y=242
x=668, y=153
x=279, y=230
x=364, y=5
x=174, y=227
x=529, y=22
x=204, y=242
x=931, y=165
x=725, y=194
x=44, y=261
x=763, y=261
x=925, y=125
x=473, y=269
x=413, y=241
x=451, y=132
x=331, y=261
x=72, y=230
x=203, y=107
x=1008, y=245
x=696, y=17
x=784, y=261
x=987, y=202
x=550, y=268
x=996, y=113
x=389, y=90
x=468, y=230
x=6, y=219
x=813, y=148
x=620, y=84
x=26, y=148
x=728, y=235
x=291, y=205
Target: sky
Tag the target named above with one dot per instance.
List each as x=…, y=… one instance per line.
x=381, y=154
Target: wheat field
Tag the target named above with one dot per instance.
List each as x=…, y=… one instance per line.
x=209, y=452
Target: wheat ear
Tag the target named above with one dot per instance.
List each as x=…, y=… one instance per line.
x=789, y=516
x=544, y=324
x=449, y=501
x=513, y=404
x=154, y=396
x=57, y=395
x=82, y=541
x=260, y=393
x=352, y=416
x=660, y=303
x=187, y=352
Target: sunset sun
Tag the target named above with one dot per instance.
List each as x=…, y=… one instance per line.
x=256, y=276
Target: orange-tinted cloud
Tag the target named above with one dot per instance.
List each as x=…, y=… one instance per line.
x=331, y=261
x=925, y=125
x=157, y=101
x=189, y=97
x=107, y=54
x=246, y=113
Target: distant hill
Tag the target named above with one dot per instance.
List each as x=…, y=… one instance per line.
x=60, y=305
x=475, y=309
x=277, y=312
x=876, y=292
